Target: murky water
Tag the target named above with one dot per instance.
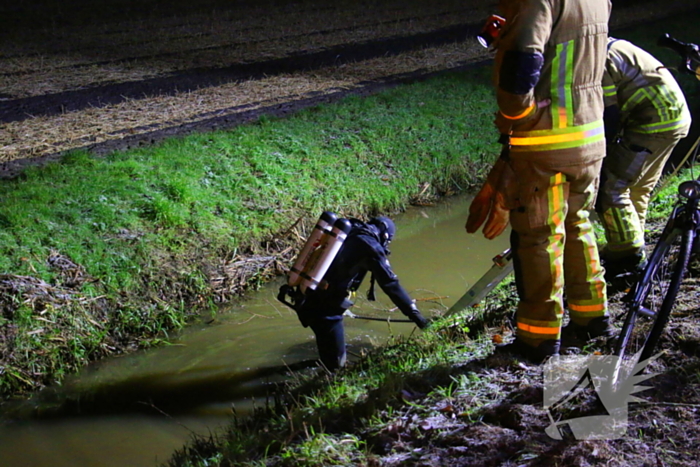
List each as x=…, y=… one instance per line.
x=136, y=410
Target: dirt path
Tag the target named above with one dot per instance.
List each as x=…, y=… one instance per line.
x=145, y=73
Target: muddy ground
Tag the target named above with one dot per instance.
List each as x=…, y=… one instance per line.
x=662, y=428
x=134, y=73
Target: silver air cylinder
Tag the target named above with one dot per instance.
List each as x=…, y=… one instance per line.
x=323, y=225
x=323, y=256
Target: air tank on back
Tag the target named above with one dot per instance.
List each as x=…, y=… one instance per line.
x=323, y=225
x=321, y=258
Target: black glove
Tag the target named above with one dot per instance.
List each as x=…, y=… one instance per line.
x=418, y=318
x=421, y=321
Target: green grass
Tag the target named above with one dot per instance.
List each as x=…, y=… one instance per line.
x=665, y=197
x=238, y=187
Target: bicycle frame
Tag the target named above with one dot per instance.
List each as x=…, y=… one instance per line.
x=683, y=217
x=682, y=226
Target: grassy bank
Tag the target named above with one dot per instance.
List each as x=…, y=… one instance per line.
x=99, y=255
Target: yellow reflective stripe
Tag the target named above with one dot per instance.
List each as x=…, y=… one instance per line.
x=562, y=79
x=568, y=51
x=664, y=102
x=589, y=128
x=563, y=117
x=669, y=109
x=609, y=91
x=564, y=145
x=524, y=114
x=620, y=223
x=622, y=229
x=557, y=138
x=556, y=203
x=663, y=126
x=594, y=269
x=550, y=139
x=539, y=329
x=556, y=213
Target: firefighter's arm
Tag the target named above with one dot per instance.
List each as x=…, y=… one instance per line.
x=519, y=62
x=389, y=283
x=611, y=114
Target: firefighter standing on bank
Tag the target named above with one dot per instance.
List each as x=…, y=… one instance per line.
x=645, y=116
x=548, y=72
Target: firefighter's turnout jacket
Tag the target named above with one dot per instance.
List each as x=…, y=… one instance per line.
x=548, y=73
x=646, y=116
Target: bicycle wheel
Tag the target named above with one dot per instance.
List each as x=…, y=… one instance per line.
x=679, y=265
x=655, y=294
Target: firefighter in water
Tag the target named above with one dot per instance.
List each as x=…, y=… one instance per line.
x=549, y=62
x=645, y=116
x=366, y=249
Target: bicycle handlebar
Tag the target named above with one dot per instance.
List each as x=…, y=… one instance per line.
x=689, y=52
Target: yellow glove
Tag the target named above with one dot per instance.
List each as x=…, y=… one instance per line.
x=499, y=217
x=492, y=204
x=481, y=204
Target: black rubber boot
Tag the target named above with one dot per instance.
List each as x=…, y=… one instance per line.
x=616, y=267
x=537, y=355
x=597, y=327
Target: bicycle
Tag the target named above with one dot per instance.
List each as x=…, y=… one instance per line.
x=652, y=297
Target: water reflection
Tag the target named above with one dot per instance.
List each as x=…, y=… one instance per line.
x=135, y=410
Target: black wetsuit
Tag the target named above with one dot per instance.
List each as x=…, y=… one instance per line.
x=323, y=308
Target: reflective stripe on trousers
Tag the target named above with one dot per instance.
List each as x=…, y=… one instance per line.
x=623, y=231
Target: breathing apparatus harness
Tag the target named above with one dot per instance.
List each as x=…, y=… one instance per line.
x=320, y=250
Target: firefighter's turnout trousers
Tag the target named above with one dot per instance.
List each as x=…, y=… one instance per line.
x=554, y=245
x=633, y=166
x=654, y=117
